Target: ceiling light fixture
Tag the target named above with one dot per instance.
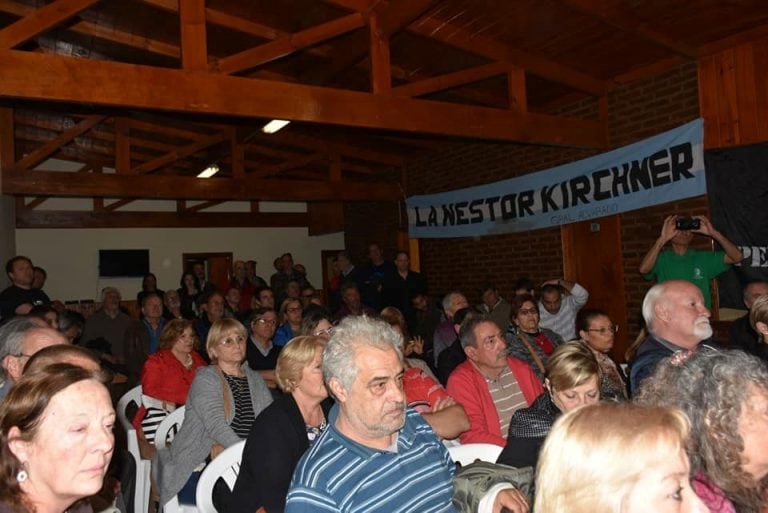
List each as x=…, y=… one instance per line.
x=274, y=125
x=209, y=171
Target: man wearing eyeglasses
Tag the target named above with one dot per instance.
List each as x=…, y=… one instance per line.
x=557, y=310
x=490, y=385
x=260, y=352
x=20, y=338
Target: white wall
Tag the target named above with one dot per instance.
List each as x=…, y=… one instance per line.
x=71, y=255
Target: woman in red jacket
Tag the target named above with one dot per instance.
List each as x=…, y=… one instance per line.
x=167, y=375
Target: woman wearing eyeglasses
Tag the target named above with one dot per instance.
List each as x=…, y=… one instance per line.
x=261, y=352
x=525, y=339
x=222, y=404
x=290, y=313
x=316, y=321
x=597, y=332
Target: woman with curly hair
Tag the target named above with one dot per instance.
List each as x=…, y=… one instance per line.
x=528, y=341
x=725, y=395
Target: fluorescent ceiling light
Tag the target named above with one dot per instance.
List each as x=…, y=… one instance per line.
x=209, y=171
x=274, y=125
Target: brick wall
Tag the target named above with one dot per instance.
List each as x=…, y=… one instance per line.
x=636, y=111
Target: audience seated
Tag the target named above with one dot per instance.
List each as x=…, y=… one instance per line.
x=352, y=305
x=316, y=321
x=105, y=330
x=413, y=347
x=265, y=298
x=758, y=319
x=400, y=286
x=64, y=353
x=142, y=337
x=743, y=333
x=212, y=310
x=241, y=283
x=204, y=287
x=290, y=315
x=261, y=353
x=172, y=305
x=426, y=318
x=560, y=302
x=572, y=380
x=286, y=273
x=148, y=286
x=597, y=332
x=253, y=278
x=167, y=376
x=373, y=276
x=71, y=325
x=47, y=314
x=490, y=385
x=444, y=333
x=223, y=402
x=494, y=306
x=284, y=430
x=725, y=396
x=188, y=293
x=526, y=340
x=232, y=303
x=454, y=355
x=616, y=457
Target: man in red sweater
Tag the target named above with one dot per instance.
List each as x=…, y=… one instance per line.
x=490, y=385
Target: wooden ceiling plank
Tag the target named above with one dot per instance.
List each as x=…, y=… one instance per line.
x=35, y=76
x=123, y=219
x=624, y=20
x=202, y=206
x=122, y=146
x=190, y=188
x=7, y=142
x=459, y=37
x=265, y=171
x=353, y=5
x=745, y=36
x=394, y=15
x=449, y=80
x=41, y=20
x=36, y=202
x=288, y=44
x=381, y=72
x=103, y=32
x=47, y=149
x=194, y=47
x=348, y=150
x=179, y=153
x=146, y=126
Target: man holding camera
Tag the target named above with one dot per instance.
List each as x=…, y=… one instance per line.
x=680, y=262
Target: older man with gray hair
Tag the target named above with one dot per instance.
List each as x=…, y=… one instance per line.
x=677, y=320
x=20, y=338
x=376, y=455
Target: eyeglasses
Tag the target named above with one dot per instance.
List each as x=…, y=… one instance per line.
x=326, y=331
x=267, y=322
x=605, y=330
x=528, y=311
x=232, y=341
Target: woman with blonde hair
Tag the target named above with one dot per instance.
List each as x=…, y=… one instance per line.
x=572, y=379
x=222, y=404
x=616, y=458
x=284, y=430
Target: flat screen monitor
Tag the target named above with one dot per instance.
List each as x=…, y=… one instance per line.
x=123, y=262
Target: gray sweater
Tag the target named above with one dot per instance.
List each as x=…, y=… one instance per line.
x=204, y=423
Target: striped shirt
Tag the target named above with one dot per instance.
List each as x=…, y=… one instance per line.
x=507, y=396
x=244, y=416
x=339, y=475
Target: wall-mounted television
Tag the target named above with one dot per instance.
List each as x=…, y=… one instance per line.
x=123, y=262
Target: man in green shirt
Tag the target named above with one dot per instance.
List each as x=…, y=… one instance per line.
x=680, y=262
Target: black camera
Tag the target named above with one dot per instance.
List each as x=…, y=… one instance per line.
x=687, y=223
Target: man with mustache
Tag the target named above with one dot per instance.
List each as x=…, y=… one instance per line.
x=376, y=455
x=677, y=320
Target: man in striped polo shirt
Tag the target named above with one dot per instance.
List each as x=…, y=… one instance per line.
x=376, y=455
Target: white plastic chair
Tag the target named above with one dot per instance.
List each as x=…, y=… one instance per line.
x=143, y=467
x=468, y=453
x=173, y=420
x=226, y=466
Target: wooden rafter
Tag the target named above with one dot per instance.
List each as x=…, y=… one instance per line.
x=122, y=146
x=179, y=153
x=40, y=20
x=7, y=142
x=117, y=204
x=381, y=71
x=39, y=200
x=147, y=126
x=194, y=48
x=449, y=80
x=190, y=188
x=45, y=77
x=264, y=171
x=353, y=5
x=37, y=156
x=288, y=44
x=460, y=38
x=202, y=206
x=615, y=15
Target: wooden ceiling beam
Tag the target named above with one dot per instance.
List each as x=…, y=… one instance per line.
x=626, y=21
x=145, y=126
x=265, y=171
x=41, y=20
x=183, y=187
x=47, y=149
x=35, y=76
x=304, y=141
x=39, y=200
x=117, y=204
x=449, y=80
x=122, y=146
x=381, y=71
x=202, y=206
x=353, y=5
x=121, y=219
x=395, y=15
x=7, y=142
x=194, y=47
x=102, y=32
x=288, y=44
x=179, y=153
x=458, y=37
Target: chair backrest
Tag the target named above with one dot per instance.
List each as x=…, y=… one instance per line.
x=142, y=484
x=226, y=466
x=168, y=427
x=468, y=453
